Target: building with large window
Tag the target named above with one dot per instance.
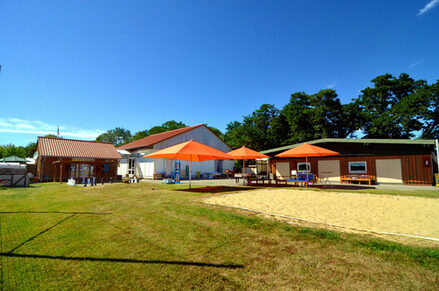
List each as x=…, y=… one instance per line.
x=386, y=160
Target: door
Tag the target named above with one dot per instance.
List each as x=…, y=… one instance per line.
x=389, y=171
x=329, y=169
x=283, y=170
x=147, y=169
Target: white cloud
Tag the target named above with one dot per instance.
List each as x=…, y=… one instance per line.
x=36, y=127
x=430, y=5
x=416, y=63
x=330, y=86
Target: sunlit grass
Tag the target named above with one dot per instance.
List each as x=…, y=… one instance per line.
x=150, y=236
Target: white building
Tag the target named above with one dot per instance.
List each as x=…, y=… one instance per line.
x=133, y=163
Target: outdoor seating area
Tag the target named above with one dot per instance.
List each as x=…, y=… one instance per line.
x=352, y=179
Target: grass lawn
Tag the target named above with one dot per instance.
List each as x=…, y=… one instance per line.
x=149, y=236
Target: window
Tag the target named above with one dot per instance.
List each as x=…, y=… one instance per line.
x=84, y=171
x=357, y=167
x=304, y=167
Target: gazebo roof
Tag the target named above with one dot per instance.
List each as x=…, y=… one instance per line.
x=13, y=159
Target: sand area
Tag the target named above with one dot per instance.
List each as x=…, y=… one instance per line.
x=352, y=212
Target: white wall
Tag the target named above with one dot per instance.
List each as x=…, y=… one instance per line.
x=167, y=166
x=122, y=168
x=200, y=134
x=144, y=168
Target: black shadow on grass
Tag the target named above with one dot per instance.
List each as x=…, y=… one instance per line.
x=40, y=233
x=121, y=260
x=217, y=189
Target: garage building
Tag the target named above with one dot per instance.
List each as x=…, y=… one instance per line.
x=387, y=160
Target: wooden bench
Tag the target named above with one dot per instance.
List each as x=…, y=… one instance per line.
x=157, y=176
x=357, y=178
x=295, y=182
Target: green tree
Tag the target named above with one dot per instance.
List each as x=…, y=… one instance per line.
x=117, y=136
x=255, y=131
x=30, y=149
x=393, y=107
x=139, y=135
x=167, y=126
x=12, y=150
x=235, y=135
x=320, y=115
x=431, y=126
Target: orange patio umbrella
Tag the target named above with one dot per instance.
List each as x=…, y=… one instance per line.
x=244, y=153
x=307, y=150
x=190, y=151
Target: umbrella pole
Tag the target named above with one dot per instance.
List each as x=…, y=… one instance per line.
x=190, y=174
x=306, y=167
x=243, y=172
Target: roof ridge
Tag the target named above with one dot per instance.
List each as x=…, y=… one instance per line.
x=171, y=133
x=352, y=140
x=81, y=140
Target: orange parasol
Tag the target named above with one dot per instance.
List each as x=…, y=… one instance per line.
x=307, y=150
x=244, y=153
x=190, y=151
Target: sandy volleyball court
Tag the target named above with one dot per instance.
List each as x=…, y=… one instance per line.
x=374, y=213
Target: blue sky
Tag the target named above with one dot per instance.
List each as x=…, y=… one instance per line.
x=89, y=66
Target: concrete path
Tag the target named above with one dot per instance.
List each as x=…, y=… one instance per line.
x=231, y=182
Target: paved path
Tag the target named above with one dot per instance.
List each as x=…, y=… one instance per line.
x=231, y=182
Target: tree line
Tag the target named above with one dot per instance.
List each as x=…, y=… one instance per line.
x=19, y=151
x=393, y=107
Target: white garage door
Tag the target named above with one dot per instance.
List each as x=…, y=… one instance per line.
x=330, y=169
x=283, y=170
x=146, y=169
x=389, y=171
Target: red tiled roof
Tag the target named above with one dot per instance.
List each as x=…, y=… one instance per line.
x=156, y=138
x=60, y=147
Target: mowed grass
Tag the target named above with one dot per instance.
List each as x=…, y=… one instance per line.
x=148, y=236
